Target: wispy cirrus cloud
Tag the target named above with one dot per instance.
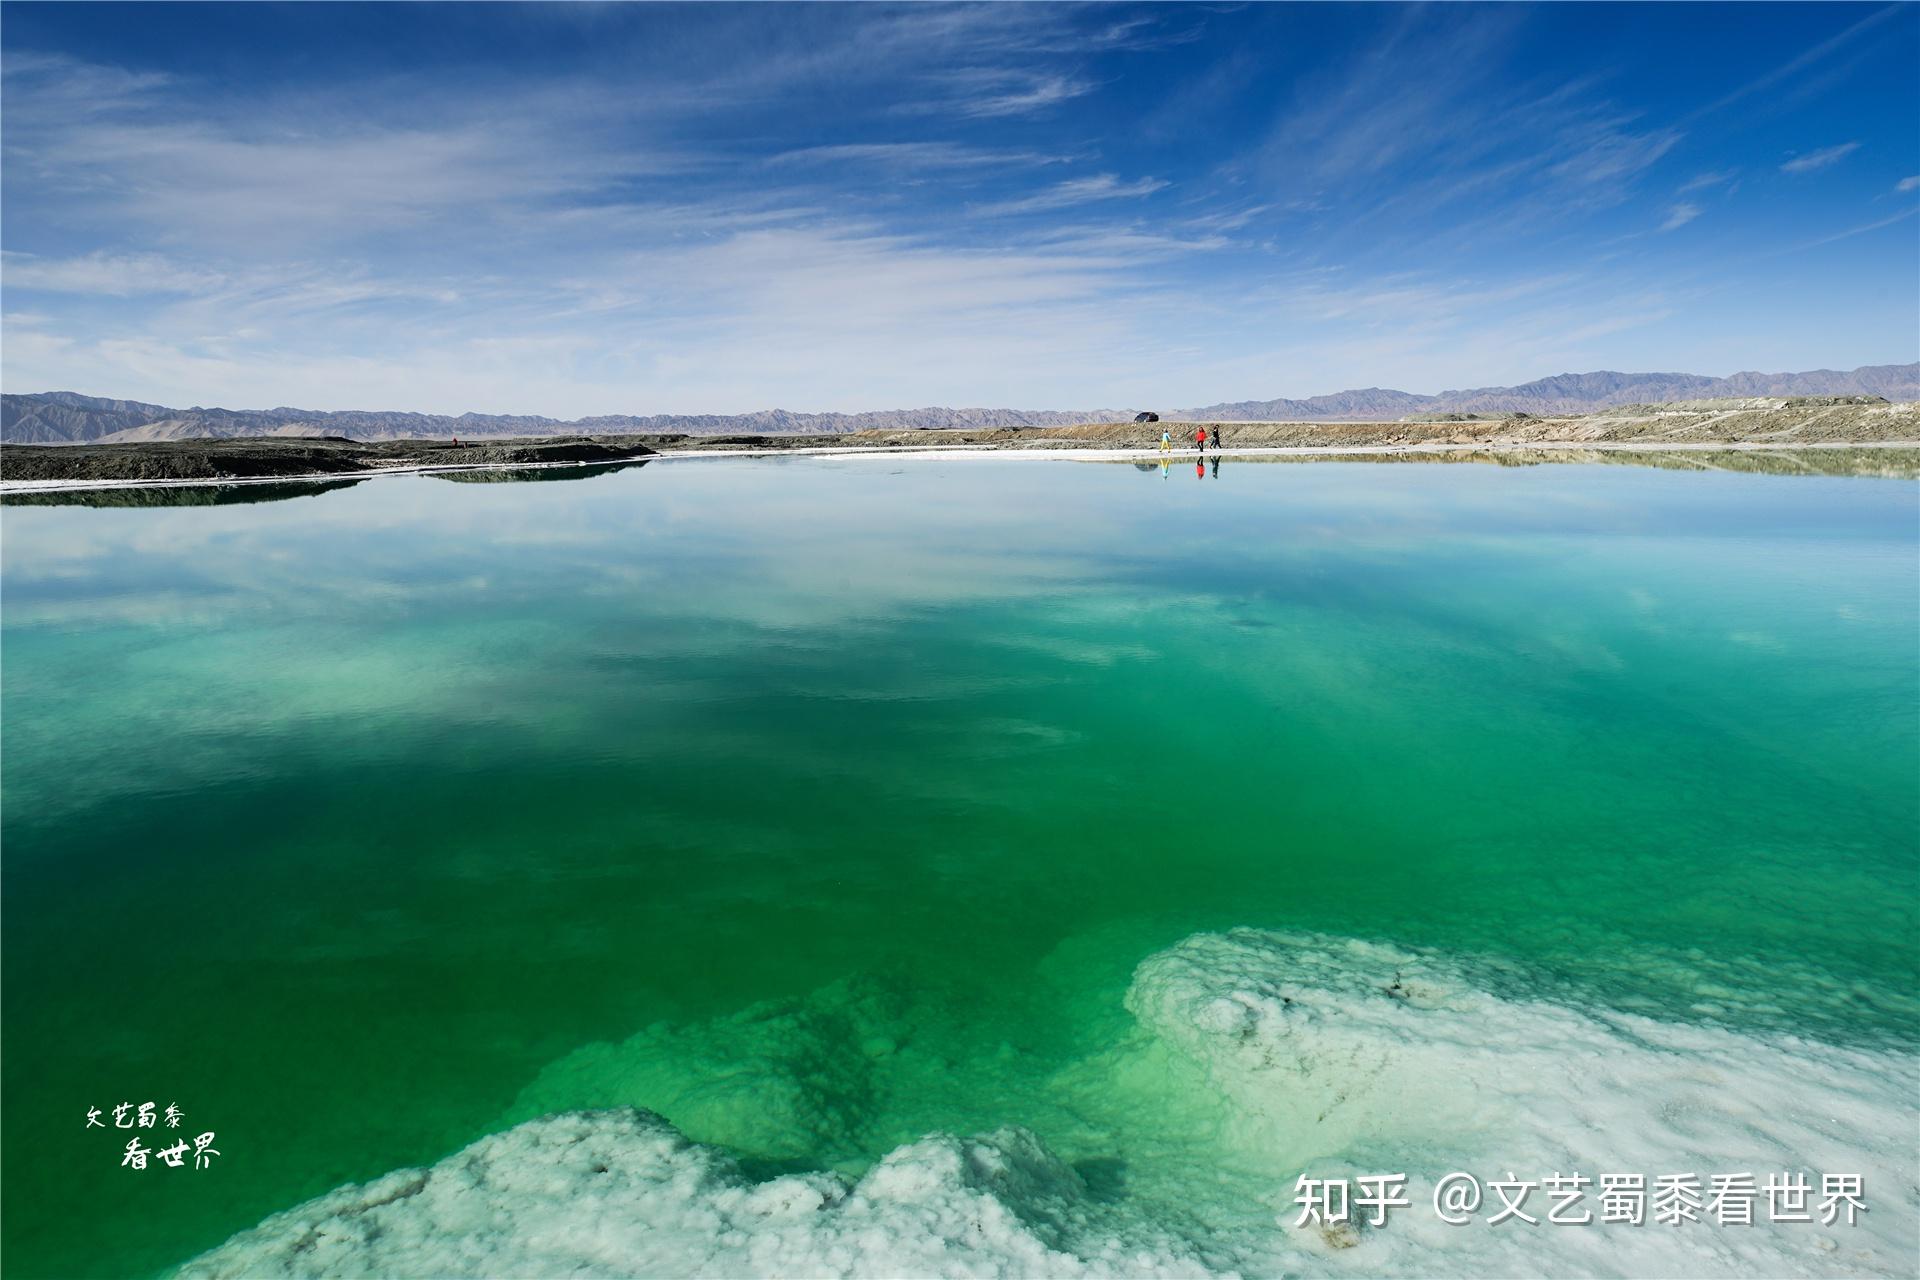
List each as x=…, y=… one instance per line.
x=1800, y=62
x=1679, y=216
x=912, y=155
x=1608, y=151
x=1862, y=229
x=1074, y=191
x=272, y=181
x=1424, y=121
x=73, y=87
x=1004, y=93
x=119, y=275
x=1821, y=159
x=1703, y=181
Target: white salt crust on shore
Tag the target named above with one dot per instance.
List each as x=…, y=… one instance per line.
x=1294, y=1053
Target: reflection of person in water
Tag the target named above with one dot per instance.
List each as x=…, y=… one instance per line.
x=1200, y=469
x=1164, y=473
x=1216, y=458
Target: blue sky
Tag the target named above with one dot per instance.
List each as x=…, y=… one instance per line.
x=586, y=209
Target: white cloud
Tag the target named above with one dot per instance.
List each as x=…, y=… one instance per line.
x=281, y=183
x=1001, y=95
x=72, y=88
x=1235, y=219
x=114, y=274
x=1908, y=184
x=1820, y=159
x=1423, y=121
x=1850, y=232
x=1702, y=181
x=1123, y=246
x=1800, y=61
x=1075, y=191
x=1679, y=216
x=825, y=317
x=912, y=155
x=1607, y=153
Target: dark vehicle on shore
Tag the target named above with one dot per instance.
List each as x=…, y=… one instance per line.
x=1146, y=417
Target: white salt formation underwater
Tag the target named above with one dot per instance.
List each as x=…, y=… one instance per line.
x=1252, y=1058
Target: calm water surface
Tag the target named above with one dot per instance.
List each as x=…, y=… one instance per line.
x=348, y=822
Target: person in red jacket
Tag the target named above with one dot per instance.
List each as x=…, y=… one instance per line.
x=1201, y=436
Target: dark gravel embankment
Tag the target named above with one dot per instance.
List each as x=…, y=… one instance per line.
x=243, y=459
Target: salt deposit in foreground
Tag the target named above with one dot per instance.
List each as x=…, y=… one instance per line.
x=1294, y=1053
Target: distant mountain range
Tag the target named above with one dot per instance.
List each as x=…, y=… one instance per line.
x=63, y=417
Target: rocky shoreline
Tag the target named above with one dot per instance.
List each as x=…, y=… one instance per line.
x=263, y=457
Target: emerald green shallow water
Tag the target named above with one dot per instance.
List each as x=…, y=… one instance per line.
x=349, y=822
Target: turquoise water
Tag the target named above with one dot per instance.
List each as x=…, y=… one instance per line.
x=352, y=823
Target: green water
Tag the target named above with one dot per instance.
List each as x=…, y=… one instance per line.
x=349, y=822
